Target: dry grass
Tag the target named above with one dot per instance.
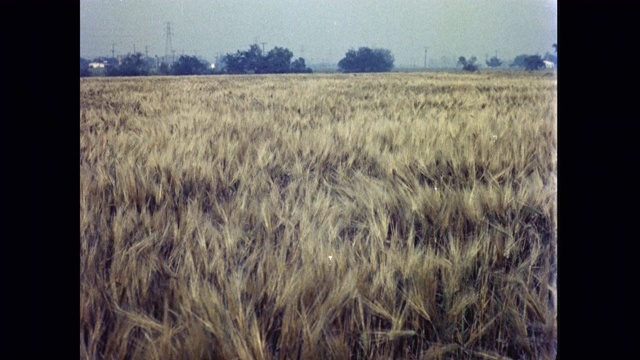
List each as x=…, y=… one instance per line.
x=209, y=207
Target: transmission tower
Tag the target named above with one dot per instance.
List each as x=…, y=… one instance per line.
x=168, y=47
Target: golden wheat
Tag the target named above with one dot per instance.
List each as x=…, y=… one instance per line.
x=318, y=217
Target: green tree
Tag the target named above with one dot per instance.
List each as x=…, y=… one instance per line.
x=494, y=62
x=253, y=61
x=468, y=65
x=164, y=69
x=233, y=63
x=277, y=61
x=84, y=67
x=367, y=60
x=299, y=66
x=245, y=62
x=132, y=65
x=533, y=62
x=519, y=61
x=189, y=65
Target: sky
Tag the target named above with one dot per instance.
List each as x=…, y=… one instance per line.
x=321, y=30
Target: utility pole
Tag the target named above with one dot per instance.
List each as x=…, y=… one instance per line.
x=263, y=47
x=425, y=56
x=113, y=50
x=146, y=52
x=167, y=45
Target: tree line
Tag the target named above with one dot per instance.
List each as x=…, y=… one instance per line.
x=528, y=62
x=278, y=60
x=137, y=65
x=281, y=60
x=252, y=61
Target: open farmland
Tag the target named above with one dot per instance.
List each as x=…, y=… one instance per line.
x=405, y=216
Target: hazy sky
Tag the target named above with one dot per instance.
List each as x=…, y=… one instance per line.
x=321, y=30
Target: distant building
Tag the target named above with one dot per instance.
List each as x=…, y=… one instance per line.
x=96, y=65
x=549, y=64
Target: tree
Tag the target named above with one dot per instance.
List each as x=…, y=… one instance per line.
x=468, y=65
x=233, y=63
x=533, y=62
x=253, y=61
x=132, y=65
x=367, y=60
x=189, y=65
x=245, y=62
x=555, y=46
x=519, y=61
x=299, y=66
x=494, y=62
x=84, y=67
x=164, y=69
x=277, y=61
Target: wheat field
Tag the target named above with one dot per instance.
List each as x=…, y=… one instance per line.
x=318, y=216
